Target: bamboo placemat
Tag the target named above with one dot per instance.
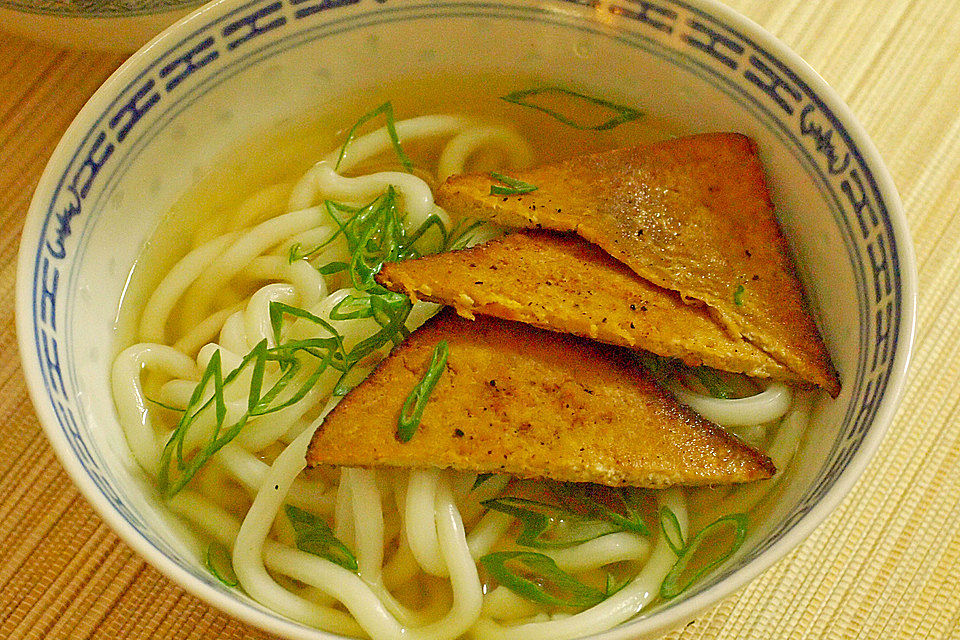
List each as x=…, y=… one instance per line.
x=886, y=564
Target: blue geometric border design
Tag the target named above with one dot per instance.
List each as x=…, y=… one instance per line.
x=702, y=44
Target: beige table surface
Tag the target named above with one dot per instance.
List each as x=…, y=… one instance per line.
x=886, y=564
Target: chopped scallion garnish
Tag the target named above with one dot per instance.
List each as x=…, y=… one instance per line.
x=537, y=578
x=217, y=561
x=671, y=586
x=738, y=295
x=514, y=187
x=616, y=505
x=662, y=369
x=547, y=526
x=315, y=536
x=412, y=411
x=481, y=478
x=621, y=114
x=712, y=381
x=670, y=528
x=387, y=110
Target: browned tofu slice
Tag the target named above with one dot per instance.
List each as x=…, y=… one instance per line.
x=535, y=404
x=564, y=283
x=691, y=215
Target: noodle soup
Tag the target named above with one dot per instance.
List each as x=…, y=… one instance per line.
x=218, y=408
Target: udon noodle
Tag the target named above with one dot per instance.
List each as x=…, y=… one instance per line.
x=417, y=535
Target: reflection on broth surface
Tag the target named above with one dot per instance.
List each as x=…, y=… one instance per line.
x=253, y=309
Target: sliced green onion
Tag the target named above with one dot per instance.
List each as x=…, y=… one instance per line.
x=218, y=562
x=333, y=267
x=621, y=114
x=537, y=577
x=670, y=528
x=671, y=586
x=481, y=478
x=514, y=187
x=463, y=233
x=661, y=368
x=714, y=384
x=738, y=295
x=387, y=110
x=316, y=537
x=547, y=526
x=616, y=505
x=412, y=410
x=352, y=308
x=163, y=404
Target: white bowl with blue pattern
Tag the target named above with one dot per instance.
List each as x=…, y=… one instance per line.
x=232, y=68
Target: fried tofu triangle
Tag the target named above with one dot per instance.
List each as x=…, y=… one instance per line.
x=534, y=404
x=692, y=215
x=564, y=283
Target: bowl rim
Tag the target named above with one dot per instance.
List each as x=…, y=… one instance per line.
x=244, y=608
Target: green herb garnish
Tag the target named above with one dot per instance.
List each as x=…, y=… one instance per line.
x=514, y=187
x=416, y=402
x=218, y=562
x=671, y=586
x=462, y=233
x=616, y=505
x=547, y=526
x=621, y=114
x=714, y=384
x=537, y=577
x=163, y=404
x=670, y=528
x=387, y=110
x=315, y=536
x=481, y=478
x=738, y=295
x=662, y=369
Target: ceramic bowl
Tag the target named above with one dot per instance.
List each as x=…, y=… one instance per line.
x=233, y=68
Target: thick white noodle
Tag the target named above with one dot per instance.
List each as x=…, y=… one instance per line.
x=249, y=546
x=240, y=253
x=593, y=554
x=492, y=526
x=768, y=405
x=415, y=194
x=250, y=471
x=132, y=404
x=458, y=150
x=618, y=608
x=370, y=538
x=309, y=285
x=204, y=331
x=367, y=521
x=342, y=512
x=363, y=603
x=420, y=521
x=256, y=317
x=369, y=146
x=156, y=312
x=782, y=448
x=233, y=335
x=503, y=604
